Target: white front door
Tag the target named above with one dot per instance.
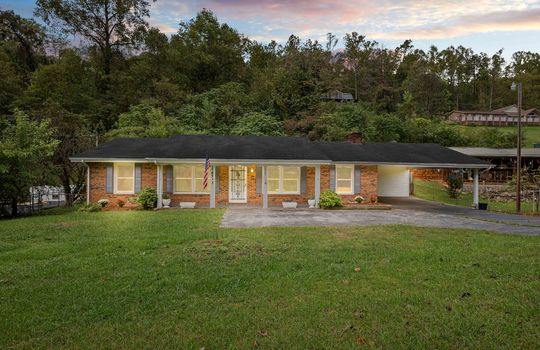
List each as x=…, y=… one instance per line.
x=238, y=184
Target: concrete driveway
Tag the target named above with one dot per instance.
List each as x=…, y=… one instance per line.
x=407, y=211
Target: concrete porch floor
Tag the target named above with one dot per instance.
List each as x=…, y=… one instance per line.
x=409, y=211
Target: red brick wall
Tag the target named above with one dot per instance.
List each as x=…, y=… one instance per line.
x=368, y=185
x=430, y=174
x=98, y=174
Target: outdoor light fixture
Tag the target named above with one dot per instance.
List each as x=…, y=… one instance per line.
x=252, y=170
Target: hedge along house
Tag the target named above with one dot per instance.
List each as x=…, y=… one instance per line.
x=259, y=170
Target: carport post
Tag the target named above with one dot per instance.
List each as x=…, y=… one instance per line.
x=265, y=186
x=475, y=189
x=317, y=184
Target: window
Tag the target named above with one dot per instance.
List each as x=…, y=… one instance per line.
x=124, y=174
x=283, y=179
x=344, y=179
x=189, y=179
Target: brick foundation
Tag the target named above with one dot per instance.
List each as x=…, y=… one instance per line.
x=368, y=186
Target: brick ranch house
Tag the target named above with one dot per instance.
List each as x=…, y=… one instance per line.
x=259, y=171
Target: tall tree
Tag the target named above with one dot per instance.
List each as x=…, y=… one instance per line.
x=25, y=149
x=109, y=24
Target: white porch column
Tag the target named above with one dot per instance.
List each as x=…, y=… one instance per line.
x=159, y=185
x=475, y=189
x=265, y=186
x=213, y=187
x=317, y=184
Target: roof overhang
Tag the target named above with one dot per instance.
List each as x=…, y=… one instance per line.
x=275, y=162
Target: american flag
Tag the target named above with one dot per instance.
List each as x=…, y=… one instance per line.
x=206, y=171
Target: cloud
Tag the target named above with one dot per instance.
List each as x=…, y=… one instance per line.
x=383, y=20
x=492, y=22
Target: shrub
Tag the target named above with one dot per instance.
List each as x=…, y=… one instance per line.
x=147, y=198
x=454, y=184
x=329, y=199
x=120, y=203
x=103, y=202
x=90, y=208
x=358, y=199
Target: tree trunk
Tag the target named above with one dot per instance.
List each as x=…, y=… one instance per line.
x=14, y=208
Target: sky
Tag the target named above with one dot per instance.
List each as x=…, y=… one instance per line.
x=484, y=25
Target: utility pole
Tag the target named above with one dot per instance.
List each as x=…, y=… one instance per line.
x=517, y=86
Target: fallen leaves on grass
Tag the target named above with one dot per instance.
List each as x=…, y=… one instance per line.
x=356, y=269
x=360, y=340
x=263, y=333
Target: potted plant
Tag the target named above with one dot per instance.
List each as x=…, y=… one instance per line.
x=311, y=202
x=120, y=203
x=373, y=198
x=288, y=204
x=359, y=199
x=166, y=200
x=103, y=202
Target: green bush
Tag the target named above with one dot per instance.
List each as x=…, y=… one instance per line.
x=454, y=184
x=91, y=208
x=147, y=198
x=329, y=199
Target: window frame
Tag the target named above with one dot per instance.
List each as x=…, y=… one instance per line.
x=115, y=180
x=351, y=171
x=280, y=170
x=193, y=179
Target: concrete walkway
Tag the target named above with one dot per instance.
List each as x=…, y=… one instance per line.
x=408, y=211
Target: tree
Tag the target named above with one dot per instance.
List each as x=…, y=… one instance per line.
x=145, y=121
x=25, y=150
x=256, y=123
x=65, y=93
x=109, y=24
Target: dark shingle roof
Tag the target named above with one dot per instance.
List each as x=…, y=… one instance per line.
x=274, y=148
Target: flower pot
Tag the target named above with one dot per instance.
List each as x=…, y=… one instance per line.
x=289, y=205
x=311, y=203
x=187, y=205
x=166, y=203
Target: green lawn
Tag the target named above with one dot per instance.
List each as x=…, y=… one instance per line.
x=174, y=279
x=435, y=191
x=531, y=133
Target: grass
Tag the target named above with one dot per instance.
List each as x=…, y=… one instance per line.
x=174, y=279
x=530, y=133
x=435, y=191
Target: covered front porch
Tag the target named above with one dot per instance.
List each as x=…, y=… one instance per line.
x=241, y=184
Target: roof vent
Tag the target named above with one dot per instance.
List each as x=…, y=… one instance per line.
x=355, y=137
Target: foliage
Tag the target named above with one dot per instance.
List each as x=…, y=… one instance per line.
x=25, y=150
x=109, y=25
x=103, y=202
x=329, y=199
x=359, y=199
x=147, y=198
x=91, y=207
x=256, y=123
x=165, y=196
x=120, y=203
x=454, y=185
x=145, y=121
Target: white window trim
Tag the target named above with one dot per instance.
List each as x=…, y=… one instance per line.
x=280, y=191
x=351, y=167
x=115, y=179
x=193, y=178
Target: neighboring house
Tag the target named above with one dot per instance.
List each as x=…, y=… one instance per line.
x=259, y=170
x=47, y=194
x=503, y=161
x=338, y=96
x=498, y=117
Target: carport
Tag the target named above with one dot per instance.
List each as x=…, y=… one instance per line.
x=394, y=181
